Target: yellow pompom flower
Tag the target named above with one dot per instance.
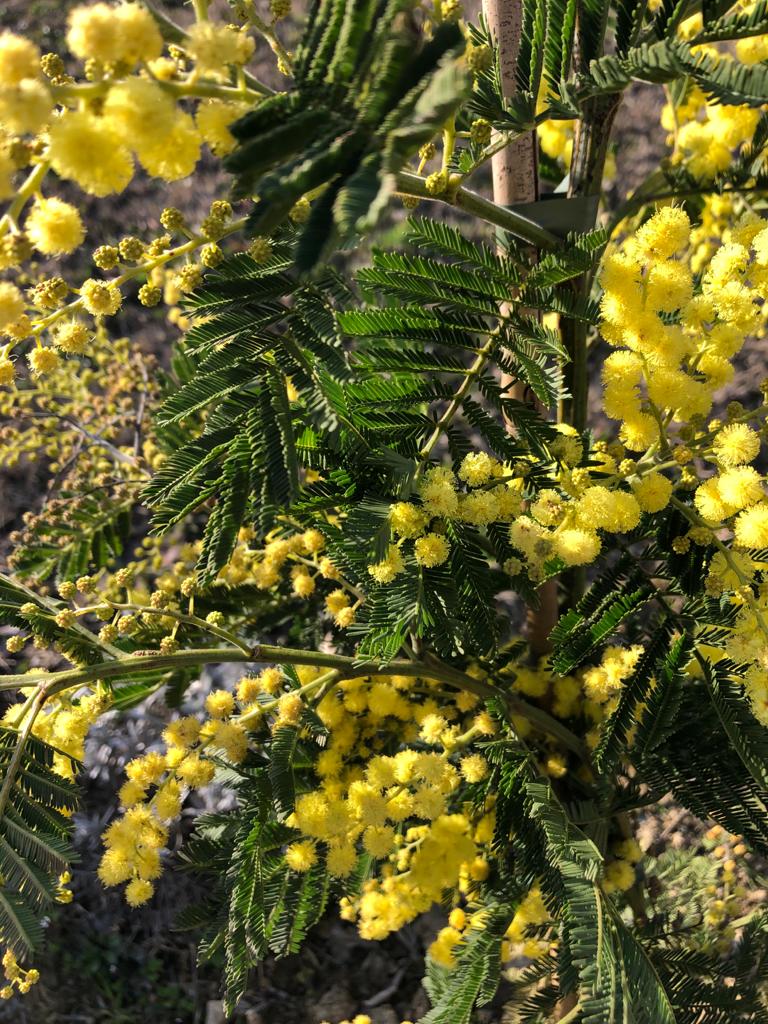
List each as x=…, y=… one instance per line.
x=474, y=767
x=441, y=950
x=665, y=233
x=479, y=507
x=131, y=793
x=289, y=710
x=90, y=151
x=619, y=876
x=669, y=286
x=140, y=111
x=182, y=732
x=139, y=37
x=167, y=801
x=212, y=47
x=220, y=704
x=138, y=891
x=19, y=59
x=127, y=33
x=301, y=856
x=577, y=547
x=26, y=107
x=729, y=263
x=751, y=528
x=54, y=227
x=213, y=119
x=196, y=772
x=736, y=444
x=91, y=32
x=407, y=519
x=652, y=492
x=114, y=868
x=760, y=247
x=174, y=156
x=709, y=501
x=477, y=468
x=341, y=860
x=11, y=303
x=378, y=840
x=438, y=492
x=740, y=487
x=431, y=550
x=598, y=508
x=71, y=336
x=100, y=298
x=629, y=850
x=389, y=567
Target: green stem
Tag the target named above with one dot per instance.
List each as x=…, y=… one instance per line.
x=143, y=268
x=173, y=33
x=572, y=1015
x=272, y=39
x=194, y=89
x=18, y=753
x=30, y=186
x=476, y=205
x=585, y=179
x=453, y=408
x=190, y=620
x=323, y=682
x=349, y=667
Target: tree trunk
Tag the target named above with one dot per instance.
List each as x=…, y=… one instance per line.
x=515, y=180
x=515, y=168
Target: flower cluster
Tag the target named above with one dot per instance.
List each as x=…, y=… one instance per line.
x=550, y=528
x=404, y=808
x=152, y=795
x=18, y=979
x=673, y=347
x=674, y=350
x=706, y=136
x=139, y=103
x=490, y=497
x=64, y=724
x=592, y=694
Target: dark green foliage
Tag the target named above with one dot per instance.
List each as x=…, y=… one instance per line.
x=26, y=610
x=94, y=531
x=581, y=630
x=473, y=981
x=258, y=905
x=698, y=763
x=362, y=104
x=239, y=444
x=721, y=990
x=282, y=375
x=35, y=830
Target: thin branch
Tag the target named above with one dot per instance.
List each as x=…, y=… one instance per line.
x=348, y=667
x=18, y=753
x=464, y=199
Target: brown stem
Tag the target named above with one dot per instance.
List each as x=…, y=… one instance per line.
x=566, y=1006
x=515, y=180
x=515, y=167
